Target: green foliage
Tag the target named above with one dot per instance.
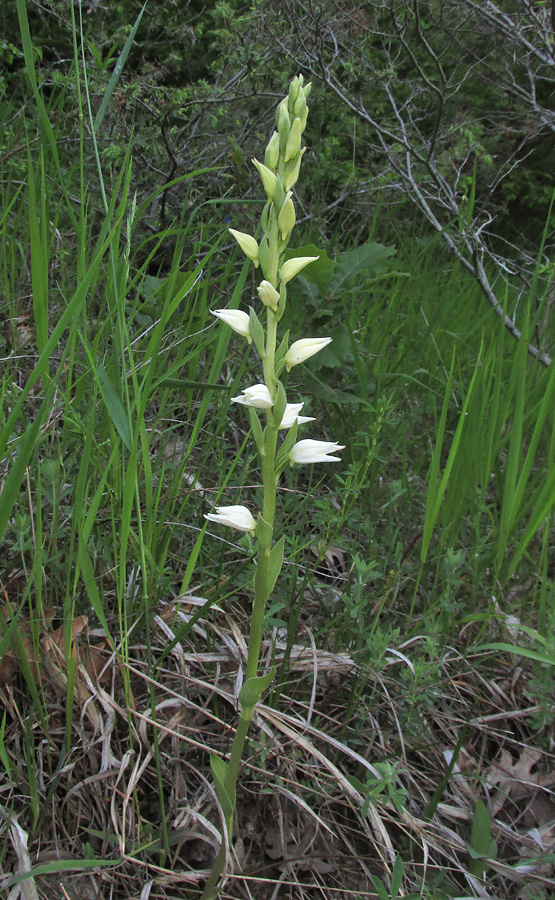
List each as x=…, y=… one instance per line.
x=481, y=846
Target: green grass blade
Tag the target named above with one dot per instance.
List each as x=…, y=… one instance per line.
x=117, y=72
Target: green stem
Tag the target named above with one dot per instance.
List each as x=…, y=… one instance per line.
x=261, y=594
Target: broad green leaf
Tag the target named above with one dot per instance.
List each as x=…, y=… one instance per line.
x=372, y=259
x=253, y=688
x=319, y=272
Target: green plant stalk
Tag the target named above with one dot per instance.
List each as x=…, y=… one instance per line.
x=261, y=595
x=278, y=173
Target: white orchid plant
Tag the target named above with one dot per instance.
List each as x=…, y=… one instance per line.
x=278, y=174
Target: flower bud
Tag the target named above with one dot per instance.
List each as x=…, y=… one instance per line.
x=247, y=244
x=294, y=90
x=236, y=319
x=304, y=349
x=269, y=180
x=268, y=295
x=294, y=140
x=292, y=267
x=286, y=218
x=283, y=124
x=238, y=517
x=271, y=157
x=300, y=105
x=290, y=178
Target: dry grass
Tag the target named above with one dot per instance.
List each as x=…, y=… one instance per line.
x=303, y=828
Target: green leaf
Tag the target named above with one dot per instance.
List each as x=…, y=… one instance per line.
x=520, y=651
x=61, y=865
x=281, y=351
x=263, y=530
x=257, y=333
x=436, y=492
x=322, y=390
x=280, y=403
x=396, y=876
x=219, y=774
x=286, y=447
x=185, y=385
x=256, y=429
x=275, y=563
x=380, y=888
x=3, y=754
x=31, y=438
x=338, y=353
x=253, y=688
x=369, y=258
x=117, y=72
x=319, y=272
x=481, y=846
x=114, y=405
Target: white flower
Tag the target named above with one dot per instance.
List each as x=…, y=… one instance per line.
x=292, y=267
x=258, y=395
x=236, y=319
x=247, y=244
x=291, y=415
x=304, y=349
x=315, y=451
x=268, y=295
x=238, y=517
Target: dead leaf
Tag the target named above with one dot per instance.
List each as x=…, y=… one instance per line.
x=516, y=782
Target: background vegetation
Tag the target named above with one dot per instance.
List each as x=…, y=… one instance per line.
x=407, y=746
